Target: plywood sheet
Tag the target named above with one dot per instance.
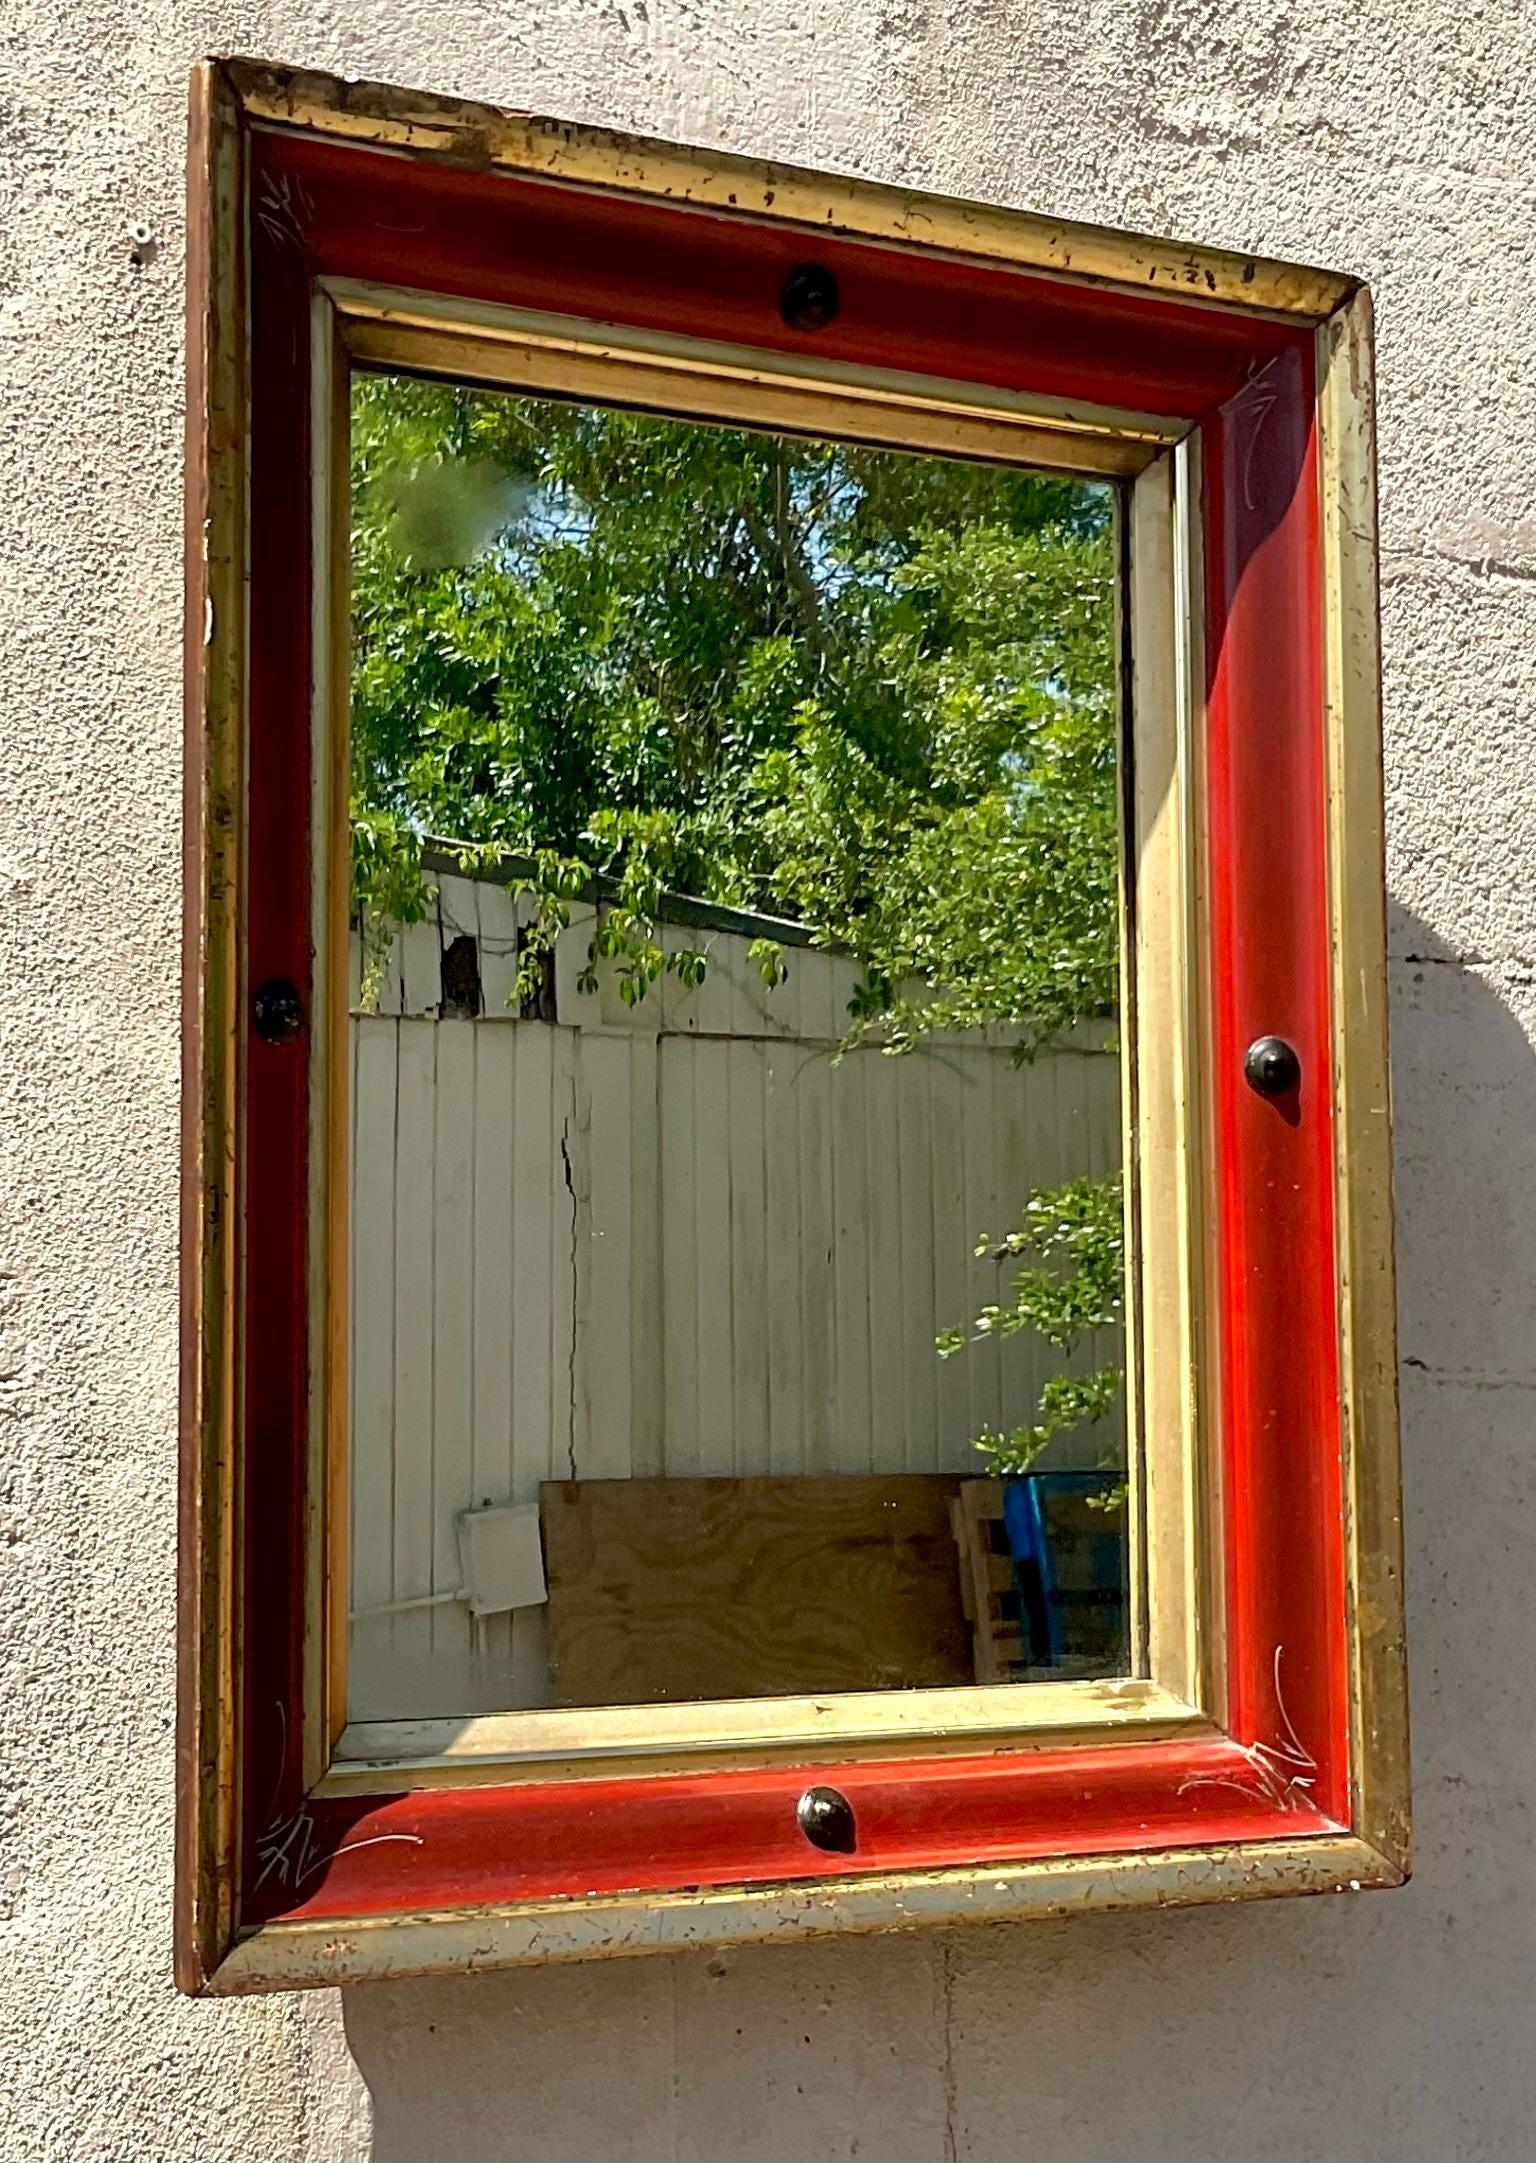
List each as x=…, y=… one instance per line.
x=676, y=1589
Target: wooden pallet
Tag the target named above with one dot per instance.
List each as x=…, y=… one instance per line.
x=988, y=1586
x=1088, y=1612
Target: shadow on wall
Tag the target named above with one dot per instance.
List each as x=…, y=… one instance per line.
x=1386, y=2027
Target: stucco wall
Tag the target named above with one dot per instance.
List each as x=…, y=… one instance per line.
x=1392, y=138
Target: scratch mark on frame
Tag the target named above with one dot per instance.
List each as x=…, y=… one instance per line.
x=1286, y=1770
x=288, y=1848
x=285, y=211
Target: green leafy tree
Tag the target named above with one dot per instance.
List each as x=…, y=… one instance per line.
x=867, y=691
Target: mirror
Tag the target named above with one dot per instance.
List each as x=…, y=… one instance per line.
x=736, y=1229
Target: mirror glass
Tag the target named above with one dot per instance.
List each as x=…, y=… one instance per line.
x=736, y=1229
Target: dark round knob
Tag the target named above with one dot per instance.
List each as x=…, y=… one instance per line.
x=277, y=1011
x=1271, y=1066
x=826, y=1819
x=809, y=297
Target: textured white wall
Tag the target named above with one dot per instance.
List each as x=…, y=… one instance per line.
x=1390, y=137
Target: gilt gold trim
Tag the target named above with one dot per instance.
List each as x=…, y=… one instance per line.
x=420, y=333
x=295, y=1956
x=521, y=350
x=1162, y=1093
x=1362, y=1084
x=212, y=1036
x=491, y=1749
x=416, y=124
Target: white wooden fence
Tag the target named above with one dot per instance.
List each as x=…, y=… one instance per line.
x=676, y=1238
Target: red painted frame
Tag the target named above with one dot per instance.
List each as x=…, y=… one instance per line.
x=323, y=208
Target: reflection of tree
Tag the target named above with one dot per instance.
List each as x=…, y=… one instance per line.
x=870, y=692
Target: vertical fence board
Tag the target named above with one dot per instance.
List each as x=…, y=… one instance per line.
x=919, y=1321
x=535, y=1177
x=713, y=1334
x=603, y=1350
x=952, y=1237
x=421, y=967
x=849, y=1439
x=977, y=1159
x=816, y=1246
x=498, y=952
x=415, y=1223
x=884, y=1178
x=747, y=1262
x=647, y=1349
x=375, y=1067
x=680, y=1256
x=781, y=1174
x=491, y=1476
x=452, y=1322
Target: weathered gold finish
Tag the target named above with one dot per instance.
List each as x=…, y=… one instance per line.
x=1362, y=1084
x=296, y=1956
x=539, y=353
x=516, y=349
x=212, y=965
x=391, y=1756
x=1161, y=1093
x=328, y=1514
x=417, y=124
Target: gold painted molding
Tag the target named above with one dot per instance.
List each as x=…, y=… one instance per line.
x=1175, y=1580
x=1380, y=1771
x=487, y=137
x=298, y=1956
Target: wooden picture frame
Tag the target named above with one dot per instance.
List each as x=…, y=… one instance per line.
x=1260, y=1745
